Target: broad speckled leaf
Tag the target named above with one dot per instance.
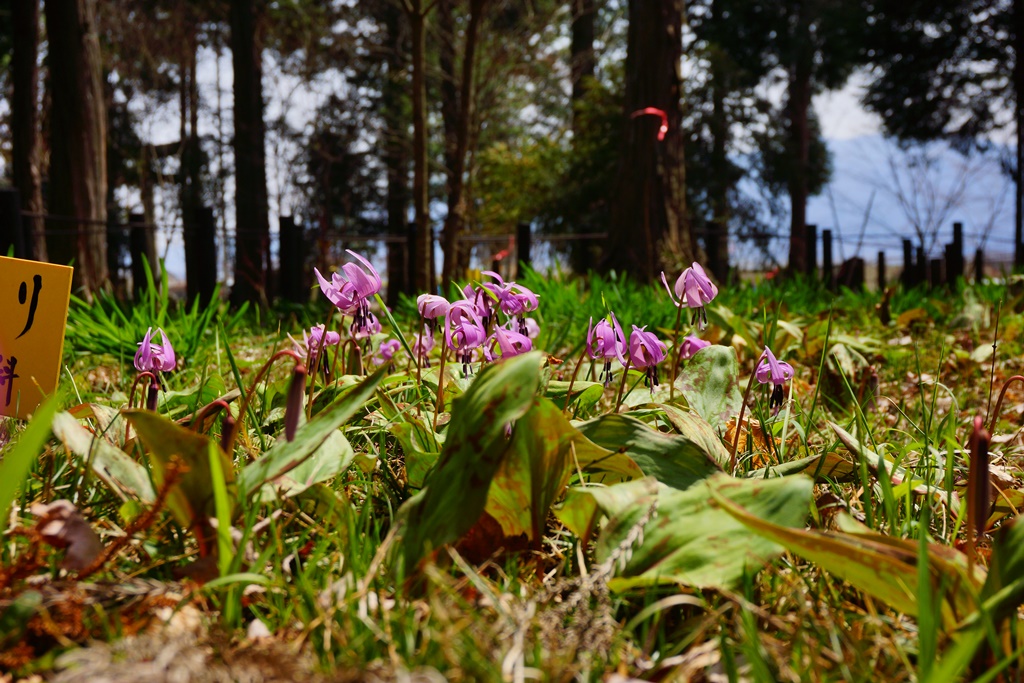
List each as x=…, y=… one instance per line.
x=475, y=445
x=824, y=468
x=285, y=456
x=420, y=446
x=191, y=501
x=674, y=460
x=693, y=426
x=690, y=540
x=535, y=470
x=113, y=466
x=881, y=566
x=710, y=383
x=584, y=398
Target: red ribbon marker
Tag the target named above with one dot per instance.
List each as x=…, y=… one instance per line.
x=654, y=111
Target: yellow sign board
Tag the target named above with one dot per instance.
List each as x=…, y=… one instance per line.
x=34, y=301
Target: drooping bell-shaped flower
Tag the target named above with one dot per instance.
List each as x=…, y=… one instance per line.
x=464, y=332
x=774, y=371
x=422, y=345
x=509, y=343
x=532, y=328
x=432, y=308
x=606, y=341
x=314, y=340
x=385, y=351
x=482, y=299
x=153, y=357
x=645, y=352
x=370, y=327
x=352, y=292
x=694, y=290
x=514, y=300
x=691, y=345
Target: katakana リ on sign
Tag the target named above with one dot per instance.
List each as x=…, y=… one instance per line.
x=33, y=314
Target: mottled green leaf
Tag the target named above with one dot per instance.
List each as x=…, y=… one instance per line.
x=710, y=383
x=690, y=539
x=456, y=490
x=112, y=465
x=673, y=459
x=694, y=427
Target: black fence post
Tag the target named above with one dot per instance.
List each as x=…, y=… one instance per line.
x=907, y=276
x=11, y=232
x=522, y=248
x=921, y=276
x=979, y=265
x=881, y=271
x=201, y=256
x=811, y=250
x=410, y=257
x=958, y=253
x=826, y=259
x=935, y=276
x=291, y=277
x=142, y=245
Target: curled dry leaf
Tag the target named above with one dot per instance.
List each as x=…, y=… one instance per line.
x=62, y=526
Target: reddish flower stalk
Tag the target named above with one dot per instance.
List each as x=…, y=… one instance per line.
x=229, y=441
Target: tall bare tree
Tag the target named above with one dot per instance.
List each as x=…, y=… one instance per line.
x=25, y=120
x=78, y=135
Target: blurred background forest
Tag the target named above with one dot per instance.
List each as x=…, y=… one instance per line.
x=249, y=140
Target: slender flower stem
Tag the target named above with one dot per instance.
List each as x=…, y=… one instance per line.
x=999, y=401
x=739, y=423
x=572, y=380
x=206, y=411
x=675, y=353
x=622, y=385
x=440, y=385
x=230, y=441
x=131, y=394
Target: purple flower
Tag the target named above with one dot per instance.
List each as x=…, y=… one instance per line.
x=385, y=352
x=770, y=369
x=510, y=343
x=694, y=290
x=481, y=299
x=532, y=328
x=422, y=345
x=513, y=300
x=351, y=294
x=313, y=340
x=152, y=357
x=692, y=345
x=463, y=332
x=606, y=341
x=370, y=327
x=432, y=307
x=645, y=352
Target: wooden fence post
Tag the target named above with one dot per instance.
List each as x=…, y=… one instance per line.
x=523, y=258
x=935, y=276
x=881, y=271
x=201, y=259
x=979, y=265
x=907, y=276
x=827, y=275
x=921, y=275
x=957, y=247
x=410, y=257
x=11, y=232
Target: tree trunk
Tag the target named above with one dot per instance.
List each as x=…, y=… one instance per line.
x=1018, y=92
x=78, y=140
x=25, y=122
x=716, y=242
x=797, y=111
x=457, y=168
x=190, y=167
x=423, y=271
x=252, y=225
x=582, y=61
x=648, y=228
x=396, y=155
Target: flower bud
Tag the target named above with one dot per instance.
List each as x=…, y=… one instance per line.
x=293, y=408
x=227, y=426
x=978, y=478
x=151, y=396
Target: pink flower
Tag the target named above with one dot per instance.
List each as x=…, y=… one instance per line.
x=770, y=369
x=370, y=327
x=385, y=352
x=152, y=357
x=422, y=345
x=352, y=292
x=314, y=339
x=510, y=343
x=694, y=290
x=691, y=345
x=606, y=342
x=645, y=352
x=532, y=328
x=463, y=332
x=432, y=307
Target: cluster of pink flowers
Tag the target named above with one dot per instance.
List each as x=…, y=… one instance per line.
x=606, y=342
x=470, y=325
